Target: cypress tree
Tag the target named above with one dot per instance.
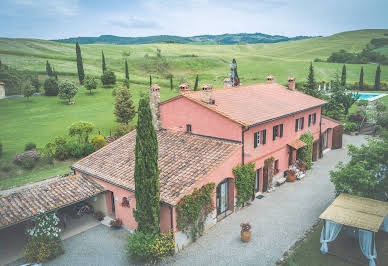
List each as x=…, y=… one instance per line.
x=124, y=109
x=49, y=70
x=343, y=76
x=103, y=62
x=196, y=83
x=147, y=192
x=361, y=82
x=171, y=83
x=54, y=74
x=126, y=70
x=377, y=77
x=80, y=66
x=150, y=81
x=310, y=87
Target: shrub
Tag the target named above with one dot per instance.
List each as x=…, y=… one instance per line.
x=67, y=90
x=28, y=90
x=122, y=129
x=150, y=248
x=30, y=146
x=383, y=121
x=108, y=78
x=82, y=130
x=74, y=149
x=87, y=149
x=6, y=166
x=244, y=181
x=50, y=87
x=90, y=83
x=28, y=159
x=98, y=142
x=351, y=127
x=305, y=153
x=362, y=103
x=357, y=118
x=60, y=150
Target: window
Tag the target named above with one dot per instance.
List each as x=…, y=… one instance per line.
x=299, y=124
x=188, y=128
x=259, y=138
x=314, y=118
x=277, y=131
x=257, y=179
x=310, y=119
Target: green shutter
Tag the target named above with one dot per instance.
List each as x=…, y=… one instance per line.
x=281, y=130
x=310, y=118
x=315, y=118
x=255, y=140
x=296, y=125
x=302, y=123
x=264, y=136
x=274, y=129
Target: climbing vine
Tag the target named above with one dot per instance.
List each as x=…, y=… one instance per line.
x=193, y=210
x=305, y=153
x=244, y=179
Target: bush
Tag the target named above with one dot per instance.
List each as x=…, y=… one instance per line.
x=305, y=153
x=244, y=176
x=28, y=159
x=60, y=150
x=67, y=90
x=108, y=78
x=74, y=149
x=356, y=118
x=362, y=102
x=90, y=83
x=351, y=127
x=38, y=250
x=6, y=166
x=98, y=142
x=150, y=248
x=50, y=87
x=30, y=146
x=383, y=121
x=122, y=129
x=87, y=149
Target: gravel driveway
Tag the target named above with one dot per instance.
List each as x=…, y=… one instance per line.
x=279, y=220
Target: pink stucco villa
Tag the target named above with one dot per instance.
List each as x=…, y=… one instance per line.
x=203, y=135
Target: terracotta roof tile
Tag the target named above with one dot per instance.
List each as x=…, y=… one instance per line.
x=183, y=160
x=249, y=105
x=22, y=204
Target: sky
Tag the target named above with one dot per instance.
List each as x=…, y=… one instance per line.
x=55, y=19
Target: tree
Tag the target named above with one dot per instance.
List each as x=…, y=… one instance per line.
x=50, y=87
x=361, y=82
x=196, y=83
x=150, y=80
x=343, y=76
x=90, y=83
x=310, y=86
x=82, y=130
x=124, y=109
x=55, y=75
x=35, y=82
x=147, y=192
x=126, y=70
x=80, y=66
x=377, y=77
x=108, y=78
x=126, y=83
x=49, y=70
x=171, y=83
x=28, y=90
x=103, y=62
x=67, y=90
x=366, y=174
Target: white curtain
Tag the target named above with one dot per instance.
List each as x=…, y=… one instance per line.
x=329, y=233
x=367, y=245
x=384, y=226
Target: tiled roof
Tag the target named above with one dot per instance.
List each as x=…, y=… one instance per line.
x=249, y=105
x=297, y=144
x=20, y=205
x=183, y=160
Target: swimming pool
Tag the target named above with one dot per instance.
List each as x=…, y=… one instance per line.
x=369, y=96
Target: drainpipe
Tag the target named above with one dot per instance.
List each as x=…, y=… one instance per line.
x=320, y=136
x=245, y=129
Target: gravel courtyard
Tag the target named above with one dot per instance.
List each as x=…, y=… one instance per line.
x=279, y=220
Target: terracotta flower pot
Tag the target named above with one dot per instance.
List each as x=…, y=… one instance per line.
x=245, y=235
x=303, y=169
x=291, y=177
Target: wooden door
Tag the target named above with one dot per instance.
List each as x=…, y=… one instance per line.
x=337, y=137
x=265, y=178
x=315, y=151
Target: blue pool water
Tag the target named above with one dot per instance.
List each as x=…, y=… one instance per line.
x=364, y=96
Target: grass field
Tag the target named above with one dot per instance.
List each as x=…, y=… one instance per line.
x=44, y=118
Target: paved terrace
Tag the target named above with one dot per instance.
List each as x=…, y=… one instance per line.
x=279, y=220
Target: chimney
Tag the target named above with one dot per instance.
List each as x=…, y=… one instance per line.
x=2, y=90
x=291, y=83
x=184, y=87
x=228, y=83
x=155, y=105
x=207, y=94
x=270, y=79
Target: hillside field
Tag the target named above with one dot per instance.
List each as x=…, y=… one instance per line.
x=43, y=118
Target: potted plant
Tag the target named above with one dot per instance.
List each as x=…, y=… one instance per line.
x=116, y=223
x=245, y=231
x=301, y=165
x=99, y=216
x=291, y=175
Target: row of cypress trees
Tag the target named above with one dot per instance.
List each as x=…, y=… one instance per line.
x=361, y=80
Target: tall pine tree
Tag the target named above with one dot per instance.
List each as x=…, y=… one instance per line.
x=343, y=76
x=126, y=70
x=103, y=62
x=196, y=83
x=310, y=86
x=147, y=192
x=80, y=66
x=377, y=77
x=361, y=82
x=49, y=70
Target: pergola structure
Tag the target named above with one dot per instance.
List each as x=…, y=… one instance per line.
x=368, y=216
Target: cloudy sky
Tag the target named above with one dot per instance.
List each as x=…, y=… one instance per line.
x=52, y=19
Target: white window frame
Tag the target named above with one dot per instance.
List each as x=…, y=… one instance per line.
x=258, y=138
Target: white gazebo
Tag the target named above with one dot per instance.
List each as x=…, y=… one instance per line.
x=368, y=216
